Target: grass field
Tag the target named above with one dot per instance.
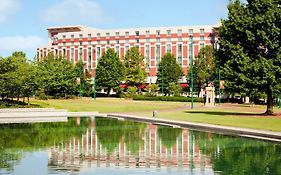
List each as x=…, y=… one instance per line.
x=245, y=116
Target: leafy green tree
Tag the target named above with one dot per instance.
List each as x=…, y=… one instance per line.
x=169, y=71
x=134, y=73
x=57, y=76
x=175, y=89
x=250, y=50
x=204, y=67
x=109, y=72
x=152, y=90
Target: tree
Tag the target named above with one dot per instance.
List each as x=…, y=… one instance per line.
x=204, y=67
x=250, y=50
x=152, y=90
x=57, y=76
x=109, y=72
x=169, y=71
x=134, y=73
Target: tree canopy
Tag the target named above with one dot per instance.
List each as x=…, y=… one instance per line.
x=204, y=67
x=250, y=49
x=134, y=73
x=169, y=71
x=109, y=72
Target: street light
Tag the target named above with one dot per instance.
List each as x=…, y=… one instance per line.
x=81, y=75
x=191, y=69
x=162, y=82
x=95, y=84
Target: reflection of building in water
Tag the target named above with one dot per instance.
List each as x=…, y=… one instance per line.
x=87, y=151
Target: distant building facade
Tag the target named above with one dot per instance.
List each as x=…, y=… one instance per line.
x=88, y=44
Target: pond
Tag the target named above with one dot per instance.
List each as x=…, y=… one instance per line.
x=95, y=145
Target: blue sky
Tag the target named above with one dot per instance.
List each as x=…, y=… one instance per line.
x=23, y=23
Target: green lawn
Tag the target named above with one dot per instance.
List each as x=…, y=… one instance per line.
x=225, y=114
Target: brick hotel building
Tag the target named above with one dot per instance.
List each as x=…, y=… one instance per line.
x=88, y=44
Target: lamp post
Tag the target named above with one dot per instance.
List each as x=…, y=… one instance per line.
x=219, y=85
x=95, y=84
x=191, y=70
x=280, y=100
x=162, y=82
x=81, y=75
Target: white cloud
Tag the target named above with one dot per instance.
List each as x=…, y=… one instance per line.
x=7, y=8
x=74, y=12
x=21, y=43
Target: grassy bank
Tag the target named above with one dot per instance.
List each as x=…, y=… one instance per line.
x=245, y=116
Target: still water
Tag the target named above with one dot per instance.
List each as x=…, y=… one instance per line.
x=87, y=146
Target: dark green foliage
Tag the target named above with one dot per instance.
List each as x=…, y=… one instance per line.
x=169, y=71
x=57, y=77
x=109, y=72
x=250, y=49
x=17, y=77
x=167, y=98
x=204, y=68
x=134, y=73
x=168, y=135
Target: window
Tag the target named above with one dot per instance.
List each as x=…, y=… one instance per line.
x=98, y=55
x=72, y=55
x=127, y=41
x=63, y=53
x=169, y=40
x=157, y=55
x=201, y=45
x=80, y=53
x=107, y=35
x=98, y=42
x=147, y=56
x=168, y=32
x=137, y=33
x=80, y=43
x=202, y=38
x=169, y=48
x=63, y=44
x=89, y=64
x=98, y=35
x=179, y=54
x=126, y=49
x=117, y=34
x=107, y=42
x=180, y=39
x=158, y=40
x=147, y=33
x=127, y=34
x=72, y=43
x=179, y=32
x=202, y=31
x=63, y=36
x=147, y=40
x=89, y=36
x=157, y=32
x=117, y=42
x=137, y=41
x=117, y=50
x=89, y=42
x=190, y=31
x=80, y=36
x=72, y=36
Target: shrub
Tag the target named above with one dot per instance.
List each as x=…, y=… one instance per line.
x=167, y=98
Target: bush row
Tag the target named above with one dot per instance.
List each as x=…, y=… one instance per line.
x=167, y=98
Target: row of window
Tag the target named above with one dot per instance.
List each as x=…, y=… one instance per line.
x=137, y=33
x=147, y=40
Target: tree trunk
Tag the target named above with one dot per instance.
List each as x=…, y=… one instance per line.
x=18, y=97
x=269, y=110
x=108, y=92
x=28, y=100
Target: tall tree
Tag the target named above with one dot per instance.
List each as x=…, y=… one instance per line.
x=250, y=50
x=57, y=76
x=109, y=72
x=169, y=71
x=134, y=73
x=204, y=67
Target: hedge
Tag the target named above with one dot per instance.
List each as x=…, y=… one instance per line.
x=167, y=98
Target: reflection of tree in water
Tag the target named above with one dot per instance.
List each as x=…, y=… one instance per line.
x=110, y=132
x=234, y=155
x=168, y=135
x=16, y=138
x=133, y=136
